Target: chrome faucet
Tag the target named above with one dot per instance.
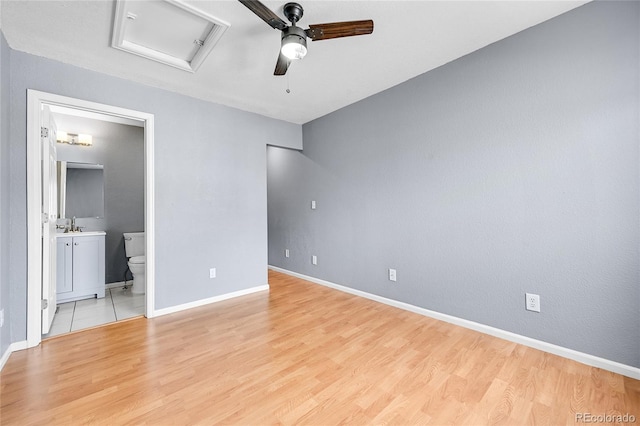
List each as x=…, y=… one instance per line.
x=73, y=224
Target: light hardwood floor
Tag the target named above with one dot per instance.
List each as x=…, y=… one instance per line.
x=300, y=354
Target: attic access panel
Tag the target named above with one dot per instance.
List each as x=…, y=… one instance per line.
x=167, y=31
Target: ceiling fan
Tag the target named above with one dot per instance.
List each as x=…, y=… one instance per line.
x=294, y=38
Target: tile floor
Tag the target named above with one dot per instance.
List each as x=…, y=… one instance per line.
x=117, y=304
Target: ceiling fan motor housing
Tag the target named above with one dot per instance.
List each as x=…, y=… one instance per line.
x=293, y=12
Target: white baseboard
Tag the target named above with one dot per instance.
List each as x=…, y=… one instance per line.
x=594, y=361
x=16, y=346
x=5, y=357
x=197, y=303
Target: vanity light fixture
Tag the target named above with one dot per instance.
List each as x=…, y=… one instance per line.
x=73, y=139
x=62, y=137
x=86, y=140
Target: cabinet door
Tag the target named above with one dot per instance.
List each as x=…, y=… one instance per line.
x=88, y=262
x=64, y=265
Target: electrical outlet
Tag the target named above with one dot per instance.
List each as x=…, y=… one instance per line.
x=314, y=260
x=532, y=302
x=1, y=317
x=313, y=205
x=286, y=252
x=392, y=274
x=212, y=273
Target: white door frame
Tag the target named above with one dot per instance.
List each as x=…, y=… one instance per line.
x=35, y=100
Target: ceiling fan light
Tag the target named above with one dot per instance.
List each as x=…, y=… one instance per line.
x=294, y=46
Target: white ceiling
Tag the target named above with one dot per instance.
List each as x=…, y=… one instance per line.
x=409, y=38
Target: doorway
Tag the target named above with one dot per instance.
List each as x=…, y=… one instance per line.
x=36, y=101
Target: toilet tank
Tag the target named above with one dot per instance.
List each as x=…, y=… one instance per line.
x=134, y=244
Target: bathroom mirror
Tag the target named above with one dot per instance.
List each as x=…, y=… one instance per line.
x=80, y=190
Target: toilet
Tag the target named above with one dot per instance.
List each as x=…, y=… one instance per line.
x=134, y=250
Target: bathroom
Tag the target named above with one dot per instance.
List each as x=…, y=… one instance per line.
x=117, y=148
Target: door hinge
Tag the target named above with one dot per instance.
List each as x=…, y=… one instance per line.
x=45, y=304
x=44, y=132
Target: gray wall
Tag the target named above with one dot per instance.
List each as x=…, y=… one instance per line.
x=210, y=182
x=513, y=169
x=120, y=148
x=5, y=331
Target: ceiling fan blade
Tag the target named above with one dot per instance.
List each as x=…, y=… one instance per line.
x=265, y=14
x=282, y=65
x=339, y=29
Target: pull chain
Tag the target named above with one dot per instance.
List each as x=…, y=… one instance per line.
x=288, y=91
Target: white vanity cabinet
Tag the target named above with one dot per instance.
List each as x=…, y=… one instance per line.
x=80, y=266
